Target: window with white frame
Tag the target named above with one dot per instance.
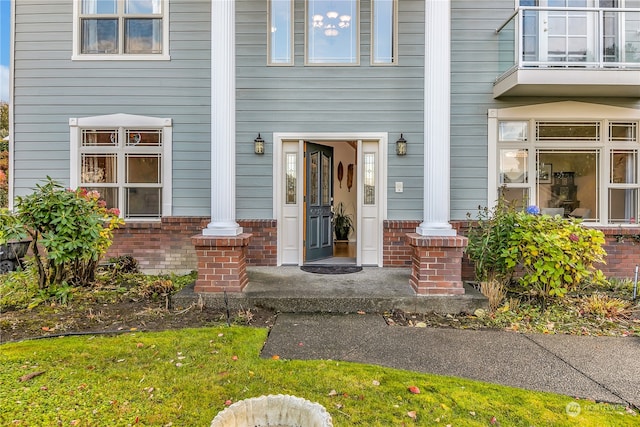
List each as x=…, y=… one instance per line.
x=128, y=165
x=121, y=29
x=585, y=169
x=384, y=39
x=332, y=35
x=280, y=44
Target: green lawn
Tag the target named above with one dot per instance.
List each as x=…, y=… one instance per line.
x=184, y=377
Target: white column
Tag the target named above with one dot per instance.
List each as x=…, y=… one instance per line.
x=437, y=107
x=223, y=121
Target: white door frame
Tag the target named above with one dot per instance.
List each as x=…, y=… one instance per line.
x=280, y=138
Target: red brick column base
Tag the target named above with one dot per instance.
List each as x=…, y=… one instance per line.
x=222, y=264
x=436, y=264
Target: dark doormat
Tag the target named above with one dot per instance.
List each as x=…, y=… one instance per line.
x=331, y=269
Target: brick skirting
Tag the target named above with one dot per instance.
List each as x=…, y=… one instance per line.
x=166, y=245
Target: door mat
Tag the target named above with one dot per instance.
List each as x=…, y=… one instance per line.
x=331, y=269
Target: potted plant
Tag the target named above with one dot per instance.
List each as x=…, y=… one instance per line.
x=342, y=222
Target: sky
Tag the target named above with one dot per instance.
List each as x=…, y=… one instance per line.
x=5, y=11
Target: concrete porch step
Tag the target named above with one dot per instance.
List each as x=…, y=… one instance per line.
x=291, y=290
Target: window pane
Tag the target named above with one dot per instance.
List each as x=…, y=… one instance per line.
x=142, y=202
x=108, y=194
x=513, y=166
x=145, y=7
x=280, y=25
x=568, y=131
x=332, y=32
x=99, y=7
x=623, y=167
x=623, y=205
x=107, y=138
x=99, y=168
x=623, y=132
x=573, y=189
x=516, y=197
x=326, y=180
x=313, y=179
x=292, y=178
x=99, y=36
x=143, y=36
x=513, y=131
x=369, y=178
x=144, y=138
x=383, y=30
x=143, y=169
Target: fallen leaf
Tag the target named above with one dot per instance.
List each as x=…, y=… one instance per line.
x=412, y=414
x=472, y=413
x=179, y=365
x=234, y=358
x=413, y=389
x=275, y=357
x=227, y=402
x=139, y=345
x=493, y=420
x=375, y=382
x=74, y=422
x=300, y=344
x=443, y=406
x=27, y=377
x=361, y=312
x=333, y=393
x=421, y=325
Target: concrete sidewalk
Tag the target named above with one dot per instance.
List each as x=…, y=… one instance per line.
x=601, y=368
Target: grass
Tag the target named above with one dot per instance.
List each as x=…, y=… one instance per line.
x=184, y=377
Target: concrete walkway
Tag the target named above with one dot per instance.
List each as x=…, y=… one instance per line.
x=601, y=368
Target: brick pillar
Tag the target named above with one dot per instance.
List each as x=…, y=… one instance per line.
x=222, y=263
x=436, y=264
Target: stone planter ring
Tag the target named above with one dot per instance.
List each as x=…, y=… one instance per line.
x=273, y=410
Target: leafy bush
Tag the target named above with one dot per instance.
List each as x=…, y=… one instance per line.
x=556, y=254
x=488, y=238
x=70, y=230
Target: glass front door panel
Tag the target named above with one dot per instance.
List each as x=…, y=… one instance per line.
x=314, y=192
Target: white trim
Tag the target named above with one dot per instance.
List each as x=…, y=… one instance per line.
x=12, y=56
x=77, y=56
x=126, y=121
x=382, y=138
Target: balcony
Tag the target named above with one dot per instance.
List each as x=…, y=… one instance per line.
x=576, y=52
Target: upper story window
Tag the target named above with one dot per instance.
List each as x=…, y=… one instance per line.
x=280, y=32
x=121, y=29
x=332, y=32
x=384, y=38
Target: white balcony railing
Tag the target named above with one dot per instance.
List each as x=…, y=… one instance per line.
x=545, y=37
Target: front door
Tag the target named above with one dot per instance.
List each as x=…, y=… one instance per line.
x=318, y=202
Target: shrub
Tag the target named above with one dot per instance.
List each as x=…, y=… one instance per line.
x=556, y=254
x=70, y=230
x=488, y=238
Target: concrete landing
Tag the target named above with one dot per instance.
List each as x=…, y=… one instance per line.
x=374, y=289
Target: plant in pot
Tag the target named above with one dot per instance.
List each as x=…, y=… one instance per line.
x=342, y=222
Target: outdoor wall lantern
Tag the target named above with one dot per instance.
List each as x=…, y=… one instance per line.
x=258, y=145
x=401, y=146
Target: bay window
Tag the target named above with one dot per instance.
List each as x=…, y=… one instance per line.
x=584, y=169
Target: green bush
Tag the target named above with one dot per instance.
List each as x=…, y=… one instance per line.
x=70, y=230
x=487, y=239
x=556, y=254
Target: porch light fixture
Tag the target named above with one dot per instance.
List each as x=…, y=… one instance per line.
x=401, y=146
x=258, y=145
